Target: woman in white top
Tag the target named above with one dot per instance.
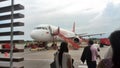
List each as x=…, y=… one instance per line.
x=62, y=57
x=109, y=53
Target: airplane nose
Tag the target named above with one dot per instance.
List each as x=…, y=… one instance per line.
x=40, y=35
x=33, y=34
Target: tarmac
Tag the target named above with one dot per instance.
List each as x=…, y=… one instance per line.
x=43, y=58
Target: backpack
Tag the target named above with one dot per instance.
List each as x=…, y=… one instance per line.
x=86, y=55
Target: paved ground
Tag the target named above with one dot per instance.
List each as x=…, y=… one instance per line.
x=42, y=59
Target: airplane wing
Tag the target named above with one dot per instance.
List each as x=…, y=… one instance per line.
x=81, y=34
x=91, y=35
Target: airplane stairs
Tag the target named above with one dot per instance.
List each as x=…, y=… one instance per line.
x=75, y=45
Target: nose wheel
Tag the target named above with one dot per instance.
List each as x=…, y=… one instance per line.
x=54, y=46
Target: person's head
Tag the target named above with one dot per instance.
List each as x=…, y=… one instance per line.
x=115, y=40
x=64, y=47
x=115, y=44
x=96, y=42
x=90, y=42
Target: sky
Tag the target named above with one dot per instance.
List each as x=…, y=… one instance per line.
x=90, y=16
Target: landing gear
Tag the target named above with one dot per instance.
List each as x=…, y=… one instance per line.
x=45, y=45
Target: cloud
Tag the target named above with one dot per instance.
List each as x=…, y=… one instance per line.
x=105, y=21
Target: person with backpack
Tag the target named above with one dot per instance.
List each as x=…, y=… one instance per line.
x=90, y=54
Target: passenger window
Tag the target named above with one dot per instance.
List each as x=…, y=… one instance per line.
x=44, y=28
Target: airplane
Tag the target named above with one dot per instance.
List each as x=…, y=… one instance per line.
x=47, y=33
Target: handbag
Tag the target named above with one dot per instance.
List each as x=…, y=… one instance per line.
x=53, y=65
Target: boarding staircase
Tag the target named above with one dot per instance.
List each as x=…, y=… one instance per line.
x=75, y=45
x=57, y=32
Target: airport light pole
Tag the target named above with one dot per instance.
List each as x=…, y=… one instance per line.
x=11, y=37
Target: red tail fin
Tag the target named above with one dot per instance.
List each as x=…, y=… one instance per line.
x=73, y=27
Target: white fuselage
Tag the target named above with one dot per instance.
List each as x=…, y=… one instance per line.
x=44, y=33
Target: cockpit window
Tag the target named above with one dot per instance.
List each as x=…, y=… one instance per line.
x=44, y=28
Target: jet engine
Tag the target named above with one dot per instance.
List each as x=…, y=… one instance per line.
x=76, y=40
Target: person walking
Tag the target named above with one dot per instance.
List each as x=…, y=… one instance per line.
x=90, y=54
x=63, y=58
x=114, y=61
